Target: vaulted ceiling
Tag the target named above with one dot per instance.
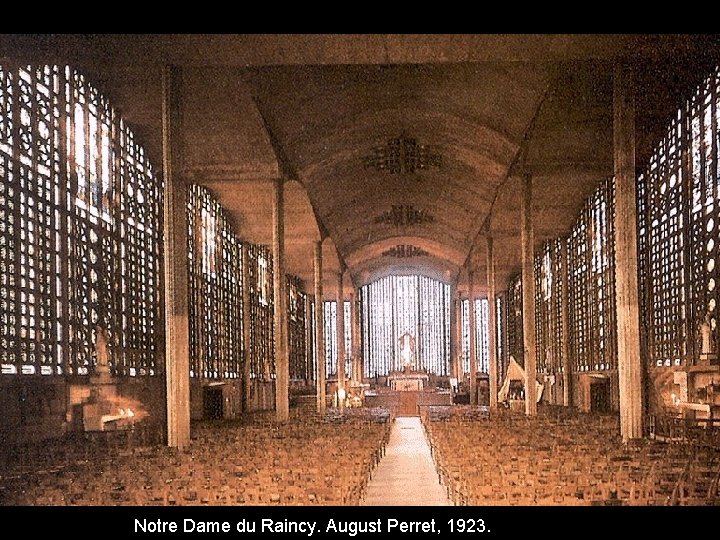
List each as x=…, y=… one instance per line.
x=458, y=119
x=329, y=122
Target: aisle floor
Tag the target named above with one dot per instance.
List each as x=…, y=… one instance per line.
x=406, y=475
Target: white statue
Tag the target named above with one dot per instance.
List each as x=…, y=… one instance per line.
x=407, y=349
x=706, y=343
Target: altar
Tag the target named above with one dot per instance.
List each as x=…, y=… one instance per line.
x=408, y=381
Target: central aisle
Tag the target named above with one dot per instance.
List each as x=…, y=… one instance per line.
x=406, y=474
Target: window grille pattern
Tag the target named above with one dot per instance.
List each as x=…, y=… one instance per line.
x=481, y=334
x=549, y=288
x=79, y=229
x=297, y=330
x=501, y=335
x=331, y=344
x=215, y=288
x=465, y=334
x=678, y=240
x=312, y=354
x=514, y=321
x=591, y=298
x=396, y=305
x=262, y=334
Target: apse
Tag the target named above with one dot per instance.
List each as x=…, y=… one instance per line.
x=406, y=322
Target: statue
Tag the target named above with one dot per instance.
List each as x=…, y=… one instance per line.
x=407, y=350
x=706, y=343
x=102, y=356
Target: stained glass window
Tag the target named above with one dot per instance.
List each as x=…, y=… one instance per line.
x=465, y=334
x=331, y=351
x=591, y=283
x=514, y=321
x=501, y=336
x=548, y=307
x=397, y=305
x=481, y=334
x=215, y=275
x=678, y=242
x=297, y=330
x=262, y=335
x=79, y=229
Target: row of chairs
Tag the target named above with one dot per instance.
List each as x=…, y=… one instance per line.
x=563, y=459
x=309, y=460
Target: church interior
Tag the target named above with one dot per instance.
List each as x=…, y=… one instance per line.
x=359, y=269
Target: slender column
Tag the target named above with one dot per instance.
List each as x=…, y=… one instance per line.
x=282, y=359
x=566, y=361
x=340, y=337
x=356, y=338
x=473, y=340
x=626, y=285
x=528, y=292
x=319, y=331
x=247, y=339
x=177, y=334
x=492, y=347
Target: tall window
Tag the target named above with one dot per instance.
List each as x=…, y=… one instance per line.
x=678, y=240
x=481, y=335
x=312, y=348
x=215, y=275
x=331, y=344
x=549, y=289
x=262, y=332
x=297, y=330
x=331, y=352
x=514, y=321
x=413, y=306
x=79, y=229
x=590, y=283
x=465, y=334
x=501, y=336
x=591, y=292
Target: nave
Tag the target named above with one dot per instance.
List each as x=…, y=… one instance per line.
x=243, y=267
x=457, y=455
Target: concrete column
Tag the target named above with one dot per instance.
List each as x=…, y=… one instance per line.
x=473, y=340
x=356, y=338
x=247, y=338
x=175, y=267
x=319, y=331
x=492, y=348
x=630, y=371
x=340, y=314
x=282, y=358
x=528, y=292
x=564, y=300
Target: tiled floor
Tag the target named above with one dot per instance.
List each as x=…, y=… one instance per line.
x=406, y=474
